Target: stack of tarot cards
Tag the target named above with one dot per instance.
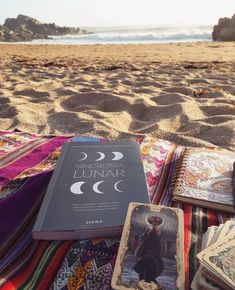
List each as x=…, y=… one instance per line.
x=217, y=259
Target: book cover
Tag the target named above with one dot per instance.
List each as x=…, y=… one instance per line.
x=90, y=190
x=204, y=178
x=150, y=255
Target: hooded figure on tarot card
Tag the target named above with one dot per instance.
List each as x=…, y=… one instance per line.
x=148, y=261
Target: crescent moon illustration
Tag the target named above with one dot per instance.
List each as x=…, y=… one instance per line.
x=102, y=156
x=76, y=187
x=116, y=184
x=117, y=155
x=95, y=187
x=85, y=156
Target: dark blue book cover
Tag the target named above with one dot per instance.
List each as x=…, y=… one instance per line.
x=90, y=190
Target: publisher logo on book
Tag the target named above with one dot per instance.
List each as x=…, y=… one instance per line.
x=91, y=222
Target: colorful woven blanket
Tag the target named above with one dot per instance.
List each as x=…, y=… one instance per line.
x=26, y=165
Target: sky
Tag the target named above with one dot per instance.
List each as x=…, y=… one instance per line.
x=101, y=13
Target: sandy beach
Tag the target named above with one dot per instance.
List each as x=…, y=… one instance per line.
x=181, y=92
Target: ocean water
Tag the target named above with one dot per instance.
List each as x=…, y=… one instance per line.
x=136, y=35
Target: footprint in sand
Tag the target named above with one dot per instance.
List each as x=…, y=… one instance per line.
x=69, y=122
x=7, y=111
x=4, y=100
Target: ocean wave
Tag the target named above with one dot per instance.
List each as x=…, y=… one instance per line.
x=142, y=36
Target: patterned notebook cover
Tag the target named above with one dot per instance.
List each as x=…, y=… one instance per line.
x=205, y=175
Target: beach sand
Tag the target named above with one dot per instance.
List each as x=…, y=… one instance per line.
x=181, y=92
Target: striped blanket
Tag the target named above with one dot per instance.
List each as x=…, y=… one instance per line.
x=26, y=164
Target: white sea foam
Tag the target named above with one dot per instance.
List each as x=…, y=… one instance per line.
x=126, y=36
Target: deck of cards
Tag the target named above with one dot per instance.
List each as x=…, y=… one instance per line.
x=217, y=259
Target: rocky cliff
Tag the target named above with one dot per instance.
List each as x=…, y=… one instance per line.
x=225, y=30
x=25, y=28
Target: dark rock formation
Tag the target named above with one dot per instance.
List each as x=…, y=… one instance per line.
x=25, y=28
x=225, y=30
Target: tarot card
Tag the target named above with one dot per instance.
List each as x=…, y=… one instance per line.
x=221, y=259
x=150, y=255
x=228, y=238
x=228, y=226
x=203, y=282
x=207, y=236
x=215, y=280
x=206, y=281
x=216, y=236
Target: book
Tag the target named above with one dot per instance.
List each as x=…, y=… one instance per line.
x=203, y=177
x=150, y=255
x=89, y=192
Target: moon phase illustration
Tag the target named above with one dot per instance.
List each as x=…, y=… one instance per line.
x=116, y=184
x=117, y=155
x=102, y=156
x=76, y=187
x=95, y=187
x=83, y=158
